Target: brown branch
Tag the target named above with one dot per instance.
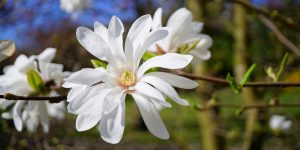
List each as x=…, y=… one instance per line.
x=57, y=99
x=52, y=99
x=283, y=19
x=280, y=36
x=248, y=84
x=245, y=107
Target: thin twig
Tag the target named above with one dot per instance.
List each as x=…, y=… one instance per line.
x=283, y=19
x=52, y=99
x=245, y=107
x=248, y=84
x=280, y=36
x=56, y=99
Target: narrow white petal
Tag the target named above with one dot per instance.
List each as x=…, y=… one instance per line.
x=113, y=99
x=5, y=103
x=112, y=125
x=43, y=114
x=47, y=55
x=101, y=30
x=6, y=115
x=157, y=17
x=93, y=43
x=175, y=80
x=115, y=38
x=87, y=76
x=17, y=115
x=151, y=117
x=180, y=20
x=87, y=121
x=137, y=33
x=90, y=97
x=154, y=94
x=165, y=88
x=152, y=38
x=169, y=61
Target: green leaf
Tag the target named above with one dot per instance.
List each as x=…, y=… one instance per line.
x=234, y=86
x=35, y=81
x=148, y=55
x=282, y=66
x=98, y=63
x=247, y=75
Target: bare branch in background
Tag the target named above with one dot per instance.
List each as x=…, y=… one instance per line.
x=283, y=19
x=283, y=39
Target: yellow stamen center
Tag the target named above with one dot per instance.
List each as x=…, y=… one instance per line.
x=127, y=78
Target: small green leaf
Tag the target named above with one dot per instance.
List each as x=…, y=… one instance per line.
x=234, y=86
x=148, y=55
x=98, y=63
x=247, y=75
x=282, y=66
x=35, y=81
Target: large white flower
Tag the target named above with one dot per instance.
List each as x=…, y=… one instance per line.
x=184, y=32
x=279, y=123
x=15, y=81
x=98, y=95
x=71, y=6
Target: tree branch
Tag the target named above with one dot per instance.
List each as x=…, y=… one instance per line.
x=248, y=84
x=283, y=19
x=245, y=107
x=52, y=99
x=280, y=36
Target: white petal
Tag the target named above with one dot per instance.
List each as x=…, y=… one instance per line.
x=197, y=27
x=93, y=43
x=148, y=90
x=175, y=80
x=87, y=76
x=180, y=20
x=47, y=55
x=169, y=61
x=6, y=115
x=137, y=33
x=152, y=38
x=77, y=93
x=151, y=117
x=113, y=99
x=165, y=88
x=115, y=38
x=112, y=125
x=157, y=17
x=91, y=97
x=43, y=114
x=5, y=103
x=17, y=115
x=101, y=30
x=87, y=121
x=24, y=64
x=286, y=125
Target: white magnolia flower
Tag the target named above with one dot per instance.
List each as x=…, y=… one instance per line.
x=184, y=32
x=71, y=6
x=279, y=123
x=7, y=48
x=98, y=95
x=14, y=81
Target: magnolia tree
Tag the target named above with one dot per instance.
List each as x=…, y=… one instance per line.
x=145, y=64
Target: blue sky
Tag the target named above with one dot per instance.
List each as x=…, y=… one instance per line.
x=17, y=18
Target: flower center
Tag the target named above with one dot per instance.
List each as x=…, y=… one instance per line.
x=127, y=78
